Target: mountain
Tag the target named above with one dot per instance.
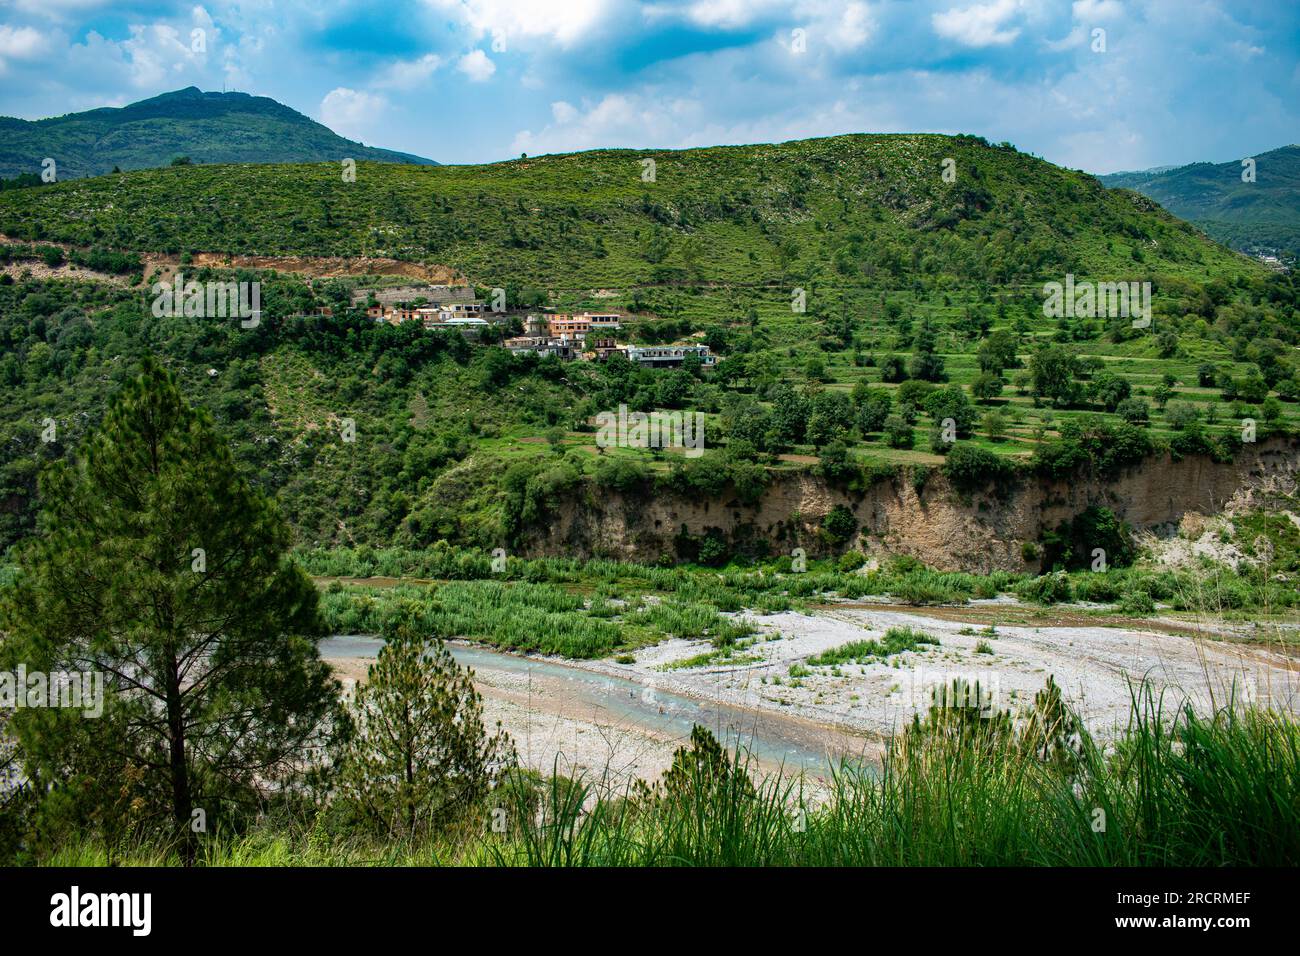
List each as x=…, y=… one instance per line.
x=1260, y=217
x=851, y=212
x=206, y=127
x=822, y=272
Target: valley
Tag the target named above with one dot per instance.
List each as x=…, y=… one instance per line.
x=931, y=517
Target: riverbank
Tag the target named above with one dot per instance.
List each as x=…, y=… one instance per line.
x=1093, y=664
x=611, y=729
x=613, y=721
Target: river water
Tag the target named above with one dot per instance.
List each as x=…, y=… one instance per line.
x=771, y=739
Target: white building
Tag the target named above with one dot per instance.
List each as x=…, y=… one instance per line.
x=669, y=356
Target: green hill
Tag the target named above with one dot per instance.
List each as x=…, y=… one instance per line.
x=206, y=127
x=1260, y=217
x=848, y=210
x=924, y=301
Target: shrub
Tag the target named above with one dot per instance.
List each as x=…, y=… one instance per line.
x=893, y=369
x=874, y=409
x=951, y=402
x=1093, y=442
x=896, y=641
x=713, y=550
x=987, y=386
x=1073, y=543
x=995, y=425
x=1180, y=415
x=1108, y=390
x=1051, y=588
x=621, y=474
x=970, y=468
x=1135, y=411
x=749, y=479
x=851, y=561
x=1137, y=602
x=835, y=465
x=914, y=392
x=898, y=432
x=839, y=525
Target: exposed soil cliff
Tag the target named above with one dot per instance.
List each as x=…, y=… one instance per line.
x=938, y=525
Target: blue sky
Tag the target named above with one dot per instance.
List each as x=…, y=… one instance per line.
x=1101, y=85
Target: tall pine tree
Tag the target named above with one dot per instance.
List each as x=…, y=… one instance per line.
x=158, y=565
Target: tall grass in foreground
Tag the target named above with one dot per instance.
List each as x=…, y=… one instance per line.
x=1170, y=790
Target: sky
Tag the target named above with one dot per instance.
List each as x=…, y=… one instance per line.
x=1100, y=85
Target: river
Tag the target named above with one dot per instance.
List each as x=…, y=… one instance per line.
x=774, y=740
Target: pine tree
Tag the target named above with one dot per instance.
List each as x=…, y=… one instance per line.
x=419, y=755
x=162, y=568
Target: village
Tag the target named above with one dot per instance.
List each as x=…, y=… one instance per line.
x=586, y=336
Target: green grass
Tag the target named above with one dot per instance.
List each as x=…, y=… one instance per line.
x=529, y=617
x=896, y=641
x=600, y=606
x=1175, y=788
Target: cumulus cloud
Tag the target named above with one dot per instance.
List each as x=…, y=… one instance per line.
x=20, y=43
x=983, y=24
x=476, y=65
x=638, y=119
x=562, y=21
x=854, y=26
x=352, y=113
x=408, y=74
x=1089, y=11
x=59, y=9
x=727, y=14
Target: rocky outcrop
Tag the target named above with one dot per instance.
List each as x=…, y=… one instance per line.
x=932, y=522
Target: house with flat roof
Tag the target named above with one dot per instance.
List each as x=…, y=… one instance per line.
x=543, y=345
x=669, y=356
x=571, y=326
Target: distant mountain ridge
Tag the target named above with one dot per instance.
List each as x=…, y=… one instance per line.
x=1257, y=217
x=206, y=127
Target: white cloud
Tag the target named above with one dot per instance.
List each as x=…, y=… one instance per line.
x=351, y=113
x=727, y=14
x=58, y=9
x=983, y=24
x=855, y=27
x=156, y=52
x=617, y=119
x=1246, y=51
x=1075, y=38
x=476, y=65
x=1089, y=11
x=408, y=74
x=563, y=21
x=21, y=43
